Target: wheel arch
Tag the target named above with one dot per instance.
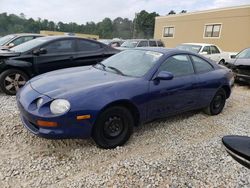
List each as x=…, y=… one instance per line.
x=222, y=61
x=128, y=105
x=23, y=66
x=227, y=89
x=28, y=72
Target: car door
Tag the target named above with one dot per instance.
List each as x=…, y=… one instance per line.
x=205, y=51
x=176, y=95
x=56, y=54
x=206, y=80
x=88, y=52
x=215, y=53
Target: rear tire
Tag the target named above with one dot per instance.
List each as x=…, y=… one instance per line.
x=217, y=104
x=12, y=80
x=113, y=127
x=221, y=62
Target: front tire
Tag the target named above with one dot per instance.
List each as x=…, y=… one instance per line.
x=113, y=127
x=217, y=104
x=12, y=80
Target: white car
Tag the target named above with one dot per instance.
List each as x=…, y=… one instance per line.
x=210, y=51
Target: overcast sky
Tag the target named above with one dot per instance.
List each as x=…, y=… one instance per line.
x=81, y=11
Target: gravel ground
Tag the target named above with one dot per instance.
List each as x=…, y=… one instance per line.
x=181, y=151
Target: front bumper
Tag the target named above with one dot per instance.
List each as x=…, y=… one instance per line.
x=68, y=125
x=242, y=77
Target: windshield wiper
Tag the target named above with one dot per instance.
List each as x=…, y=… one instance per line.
x=116, y=70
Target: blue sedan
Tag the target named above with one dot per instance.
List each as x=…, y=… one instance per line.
x=107, y=100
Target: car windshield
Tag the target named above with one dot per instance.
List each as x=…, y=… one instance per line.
x=24, y=47
x=129, y=44
x=135, y=63
x=189, y=47
x=245, y=54
x=5, y=39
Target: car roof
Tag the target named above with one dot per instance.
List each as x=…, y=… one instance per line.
x=162, y=50
x=201, y=44
x=142, y=40
x=64, y=37
x=26, y=34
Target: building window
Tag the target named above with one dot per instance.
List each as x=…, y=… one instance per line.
x=168, y=32
x=212, y=30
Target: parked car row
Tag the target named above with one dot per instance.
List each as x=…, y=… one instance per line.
x=240, y=64
x=115, y=91
x=112, y=42
x=9, y=41
x=133, y=43
x=210, y=51
x=44, y=54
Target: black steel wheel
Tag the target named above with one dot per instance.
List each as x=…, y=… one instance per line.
x=217, y=104
x=221, y=62
x=113, y=127
x=12, y=80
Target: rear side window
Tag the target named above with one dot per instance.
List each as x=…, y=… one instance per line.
x=152, y=43
x=60, y=46
x=84, y=45
x=160, y=44
x=178, y=65
x=214, y=50
x=201, y=65
x=143, y=44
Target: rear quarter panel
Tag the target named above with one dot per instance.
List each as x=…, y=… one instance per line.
x=211, y=82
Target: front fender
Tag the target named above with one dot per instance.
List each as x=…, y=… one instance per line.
x=93, y=102
x=18, y=63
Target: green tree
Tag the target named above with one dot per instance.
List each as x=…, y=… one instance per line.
x=144, y=23
x=51, y=26
x=183, y=11
x=122, y=28
x=171, y=12
x=22, y=15
x=142, y=26
x=105, y=28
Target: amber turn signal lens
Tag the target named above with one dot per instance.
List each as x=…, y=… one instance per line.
x=83, y=117
x=47, y=123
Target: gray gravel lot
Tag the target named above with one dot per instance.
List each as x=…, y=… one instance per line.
x=181, y=151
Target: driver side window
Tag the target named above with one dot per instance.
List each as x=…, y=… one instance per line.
x=60, y=46
x=143, y=44
x=178, y=65
x=214, y=50
x=21, y=40
x=206, y=49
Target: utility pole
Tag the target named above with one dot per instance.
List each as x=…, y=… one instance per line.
x=134, y=29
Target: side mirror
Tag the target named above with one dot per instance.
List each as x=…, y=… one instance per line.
x=39, y=51
x=11, y=45
x=43, y=51
x=233, y=56
x=204, y=53
x=239, y=148
x=164, y=75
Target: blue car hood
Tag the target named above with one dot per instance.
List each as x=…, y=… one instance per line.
x=67, y=82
